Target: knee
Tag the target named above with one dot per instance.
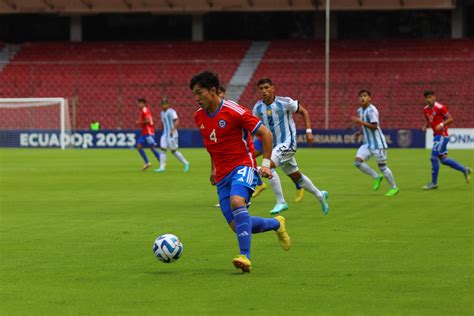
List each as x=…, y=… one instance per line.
x=237, y=201
x=295, y=176
x=357, y=163
x=382, y=166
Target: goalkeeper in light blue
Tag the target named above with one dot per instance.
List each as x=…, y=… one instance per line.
x=169, y=136
x=374, y=144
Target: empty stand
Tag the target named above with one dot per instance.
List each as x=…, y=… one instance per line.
x=103, y=80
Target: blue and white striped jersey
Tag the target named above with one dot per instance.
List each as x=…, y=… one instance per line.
x=278, y=118
x=168, y=117
x=373, y=138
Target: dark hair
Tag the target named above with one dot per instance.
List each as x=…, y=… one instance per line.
x=141, y=100
x=427, y=93
x=164, y=100
x=265, y=80
x=366, y=91
x=222, y=88
x=206, y=80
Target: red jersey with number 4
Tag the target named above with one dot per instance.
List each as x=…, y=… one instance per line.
x=147, y=128
x=436, y=115
x=227, y=136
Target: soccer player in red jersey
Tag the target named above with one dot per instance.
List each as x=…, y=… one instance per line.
x=438, y=118
x=147, y=136
x=227, y=129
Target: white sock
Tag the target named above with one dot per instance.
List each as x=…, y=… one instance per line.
x=162, y=159
x=387, y=173
x=180, y=157
x=365, y=168
x=306, y=183
x=276, y=186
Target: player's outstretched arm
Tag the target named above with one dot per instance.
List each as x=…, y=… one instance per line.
x=267, y=141
x=307, y=121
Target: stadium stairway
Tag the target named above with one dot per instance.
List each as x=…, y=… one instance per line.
x=7, y=53
x=246, y=69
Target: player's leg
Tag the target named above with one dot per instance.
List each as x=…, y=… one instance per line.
x=363, y=154
x=443, y=157
x=141, y=151
x=291, y=169
x=242, y=260
x=381, y=156
x=243, y=183
x=163, y=148
x=151, y=142
x=275, y=183
x=435, y=153
x=173, y=144
x=299, y=192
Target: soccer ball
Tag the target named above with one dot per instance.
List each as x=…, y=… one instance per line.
x=167, y=248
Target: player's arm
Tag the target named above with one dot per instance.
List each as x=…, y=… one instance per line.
x=267, y=141
x=448, y=119
x=213, y=173
x=175, y=126
x=427, y=124
x=307, y=121
x=359, y=122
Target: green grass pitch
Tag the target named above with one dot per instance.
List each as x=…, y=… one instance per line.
x=77, y=228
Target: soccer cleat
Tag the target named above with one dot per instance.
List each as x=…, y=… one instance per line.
x=392, y=192
x=160, y=170
x=186, y=167
x=299, y=195
x=259, y=189
x=377, y=182
x=279, y=207
x=242, y=262
x=146, y=166
x=283, y=237
x=467, y=174
x=430, y=186
x=324, y=202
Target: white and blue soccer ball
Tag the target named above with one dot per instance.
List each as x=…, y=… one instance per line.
x=167, y=248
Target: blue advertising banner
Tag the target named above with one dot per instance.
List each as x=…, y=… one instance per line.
x=404, y=138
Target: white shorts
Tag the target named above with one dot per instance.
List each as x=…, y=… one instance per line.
x=170, y=143
x=284, y=157
x=365, y=153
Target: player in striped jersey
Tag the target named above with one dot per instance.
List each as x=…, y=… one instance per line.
x=169, y=136
x=374, y=143
x=276, y=113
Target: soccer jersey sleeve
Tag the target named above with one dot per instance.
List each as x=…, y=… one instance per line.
x=444, y=110
x=373, y=116
x=249, y=122
x=289, y=104
x=174, y=115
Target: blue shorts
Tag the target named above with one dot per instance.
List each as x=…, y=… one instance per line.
x=440, y=145
x=146, y=140
x=258, y=145
x=241, y=181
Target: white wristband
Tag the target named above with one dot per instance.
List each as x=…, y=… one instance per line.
x=266, y=163
x=309, y=130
